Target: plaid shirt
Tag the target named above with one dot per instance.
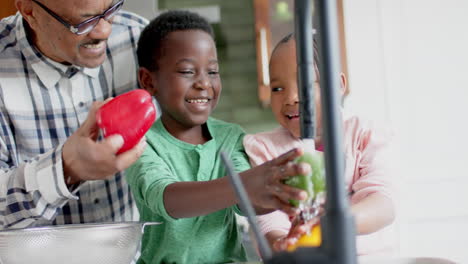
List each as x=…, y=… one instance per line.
x=42, y=103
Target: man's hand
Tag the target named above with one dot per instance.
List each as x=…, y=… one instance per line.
x=264, y=183
x=85, y=159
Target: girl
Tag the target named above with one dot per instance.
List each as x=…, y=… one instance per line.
x=368, y=160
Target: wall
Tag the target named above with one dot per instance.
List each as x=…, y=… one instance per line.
x=7, y=8
x=145, y=8
x=407, y=62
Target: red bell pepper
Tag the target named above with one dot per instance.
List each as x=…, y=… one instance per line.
x=130, y=114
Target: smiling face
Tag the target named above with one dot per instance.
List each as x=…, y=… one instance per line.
x=55, y=41
x=186, y=83
x=284, y=91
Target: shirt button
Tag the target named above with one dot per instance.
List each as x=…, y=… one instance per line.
x=96, y=201
x=81, y=104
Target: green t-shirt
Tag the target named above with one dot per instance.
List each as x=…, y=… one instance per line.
x=212, y=238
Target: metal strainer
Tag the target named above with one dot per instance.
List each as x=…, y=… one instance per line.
x=106, y=243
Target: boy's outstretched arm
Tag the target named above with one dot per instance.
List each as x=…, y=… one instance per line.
x=263, y=184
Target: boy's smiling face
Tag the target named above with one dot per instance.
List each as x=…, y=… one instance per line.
x=284, y=91
x=187, y=83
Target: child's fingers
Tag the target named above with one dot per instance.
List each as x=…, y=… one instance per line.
x=276, y=203
x=303, y=228
x=289, y=209
x=284, y=206
x=289, y=242
x=299, y=230
x=288, y=156
x=290, y=169
x=303, y=168
x=285, y=193
x=280, y=244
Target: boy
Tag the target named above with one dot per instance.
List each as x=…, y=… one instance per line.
x=179, y=180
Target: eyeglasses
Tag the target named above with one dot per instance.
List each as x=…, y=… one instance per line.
x=87, y=25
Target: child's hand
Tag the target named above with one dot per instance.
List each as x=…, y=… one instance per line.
x=264, y=183
x=298, y=229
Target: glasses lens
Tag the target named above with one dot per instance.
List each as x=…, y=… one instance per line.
x=113, y=10
x=87, y=26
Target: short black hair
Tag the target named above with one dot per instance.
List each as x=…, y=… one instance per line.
x=152, y=37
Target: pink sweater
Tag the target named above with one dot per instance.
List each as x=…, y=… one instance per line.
x=369, y=165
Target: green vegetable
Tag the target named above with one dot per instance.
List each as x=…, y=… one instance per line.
x=314, y=183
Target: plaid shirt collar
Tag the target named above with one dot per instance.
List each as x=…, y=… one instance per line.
x=47, y=70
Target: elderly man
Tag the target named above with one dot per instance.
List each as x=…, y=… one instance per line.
x=59, y=60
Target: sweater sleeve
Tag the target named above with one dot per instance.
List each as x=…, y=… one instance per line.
x=376, y=164
x=148, y=177
x=257, y=150
x=276, y=220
